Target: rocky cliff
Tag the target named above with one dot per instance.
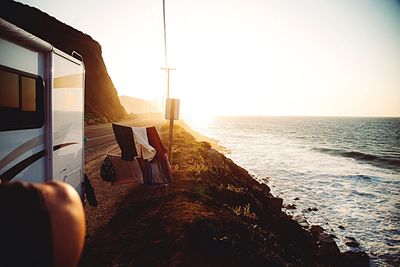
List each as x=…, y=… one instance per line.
x=101, y=99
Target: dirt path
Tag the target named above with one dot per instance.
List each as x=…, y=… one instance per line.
x=101, y=141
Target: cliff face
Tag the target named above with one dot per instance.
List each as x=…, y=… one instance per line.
x=101, y=99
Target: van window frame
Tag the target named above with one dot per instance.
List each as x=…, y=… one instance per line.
x=24, y=119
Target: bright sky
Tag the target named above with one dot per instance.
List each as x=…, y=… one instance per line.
x=253, y=57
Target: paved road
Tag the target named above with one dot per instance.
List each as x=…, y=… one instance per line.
x=101, y=136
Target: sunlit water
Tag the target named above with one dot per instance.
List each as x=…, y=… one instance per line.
x=346, y=168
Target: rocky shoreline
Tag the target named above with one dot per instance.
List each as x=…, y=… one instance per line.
x=213, y=214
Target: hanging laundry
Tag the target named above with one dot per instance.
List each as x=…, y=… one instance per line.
x=143, y=148
x=144, y=157
x=149, y=172
x=145, y=173
x=155, y=141
x=161, y=153
x=158, y=175
x=123, y=171
x=124, y=137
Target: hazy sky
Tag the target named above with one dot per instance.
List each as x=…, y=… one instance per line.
x=249, y=57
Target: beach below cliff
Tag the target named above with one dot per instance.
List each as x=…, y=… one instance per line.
x=213, y=214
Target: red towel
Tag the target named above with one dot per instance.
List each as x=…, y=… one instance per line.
x=155, y=141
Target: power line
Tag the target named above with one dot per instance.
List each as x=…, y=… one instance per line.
x=165, y=35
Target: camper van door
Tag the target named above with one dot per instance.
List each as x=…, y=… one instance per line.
x=68, y=114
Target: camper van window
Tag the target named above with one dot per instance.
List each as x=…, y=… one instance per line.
x=28, y=94
x=21, y=101
x=9, y=90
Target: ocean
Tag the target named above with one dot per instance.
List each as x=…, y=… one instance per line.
x=340, y=173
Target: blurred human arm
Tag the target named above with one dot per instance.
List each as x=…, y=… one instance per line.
x=67, y=222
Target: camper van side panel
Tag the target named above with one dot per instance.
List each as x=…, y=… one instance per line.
x=21, y=114
x=67, y=105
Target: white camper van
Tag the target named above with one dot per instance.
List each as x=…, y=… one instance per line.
x=41, y=110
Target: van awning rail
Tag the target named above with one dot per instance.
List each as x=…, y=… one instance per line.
x=12, y=33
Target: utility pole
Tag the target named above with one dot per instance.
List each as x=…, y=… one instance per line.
x=167, y=69
x=172, y=102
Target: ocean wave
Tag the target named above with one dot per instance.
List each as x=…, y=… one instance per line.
x=362, y=177
x=380, y=161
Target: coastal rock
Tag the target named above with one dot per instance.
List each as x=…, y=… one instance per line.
x=354, y=259
x=205, y=145
x=215, y=158
x=309, y=210
x=261, y=190
x=327, y=250
x=332, y=236
x=351, y=242
x=290, y=206
x=301, y=221
x=351, y=238
x=257, y=205
x=274, y=204
x=316, y=229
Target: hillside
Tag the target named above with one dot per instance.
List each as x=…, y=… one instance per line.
x=101, y=99
x=213, y=214
x=137, y=105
